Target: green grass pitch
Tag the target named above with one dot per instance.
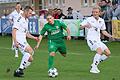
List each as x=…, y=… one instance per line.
x=75, y=66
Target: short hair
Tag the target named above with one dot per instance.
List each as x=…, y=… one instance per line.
x=17, y=3
x=27, y=8
x=97, y=7
x=49, y=14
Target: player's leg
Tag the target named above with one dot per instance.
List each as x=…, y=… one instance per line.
x=95, y=46
x=94, y=66
x=15, y=49
x=27, y=58
x=106, y=55
x=52, y=51
x=105, y=50
x=62, y=49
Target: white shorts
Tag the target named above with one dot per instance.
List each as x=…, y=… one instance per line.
x=22, y=44
x=94, y=44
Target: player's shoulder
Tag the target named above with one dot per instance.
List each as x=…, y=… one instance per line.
x=101, y=19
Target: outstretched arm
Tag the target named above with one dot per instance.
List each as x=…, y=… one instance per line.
x=106, y=34
x=32, y=37
x=38, y=43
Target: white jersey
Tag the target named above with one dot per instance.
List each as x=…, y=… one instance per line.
x=22, y=28
x=14, y=15
x=93, y=33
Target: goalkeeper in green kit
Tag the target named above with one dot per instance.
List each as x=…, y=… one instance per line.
x=54, y=29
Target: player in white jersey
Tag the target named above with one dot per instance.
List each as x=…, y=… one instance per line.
x=94, y=26
x=13, y=17
x=19, y=33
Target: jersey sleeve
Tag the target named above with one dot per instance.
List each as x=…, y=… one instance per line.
x=63, y=25
x=42, y=32
x=103, y=27
x=11, y=16
x=16, y=25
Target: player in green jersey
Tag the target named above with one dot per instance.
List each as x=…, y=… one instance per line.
x=54, y=29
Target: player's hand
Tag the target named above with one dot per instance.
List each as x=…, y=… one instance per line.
x=36, y=47
x=16, y=44
x=88, y=25
x=68, y=37
x=36, y=39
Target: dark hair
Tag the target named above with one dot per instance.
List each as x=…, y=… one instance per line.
x=17, y=3
x=27, y=8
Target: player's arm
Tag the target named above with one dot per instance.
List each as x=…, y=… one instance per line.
x=67, y=29
x=32, y=37
x=14, y=36
x=85, y=24
x=68, y=34
x=38, y=43
x=40, y=37
x=104, y=32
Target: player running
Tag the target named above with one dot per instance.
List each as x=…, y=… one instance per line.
x=13, y=17
x=19, y=33
x=54, y=29
x=94, y=25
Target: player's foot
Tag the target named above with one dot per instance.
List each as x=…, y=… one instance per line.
x=16, y=52
x=64, y=55
x=18, y=73
x=16, y=56
x=12, y=48
x=95, y=70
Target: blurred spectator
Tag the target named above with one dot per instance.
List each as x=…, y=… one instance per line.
x=34, y=15
x=60, y=14
x=103, y=6
x=116, y=11
x=70, y=13
x=77, y=15
x=43, y=13
x=5, y=16
x=55, y=13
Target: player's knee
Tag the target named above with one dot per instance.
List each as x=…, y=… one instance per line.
x=107, y=52
x=99, y=51
x=52, y=54
x=30, y=59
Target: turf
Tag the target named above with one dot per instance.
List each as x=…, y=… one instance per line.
x=75, y=66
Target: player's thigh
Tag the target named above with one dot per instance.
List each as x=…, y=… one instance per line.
x=93, y=44
x=52, y=47
x=62, y=48
x=24, y=46
x=107, y=52
x=29, y=49
x=96, y=45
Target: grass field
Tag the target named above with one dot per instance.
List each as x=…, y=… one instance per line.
x=74, y=67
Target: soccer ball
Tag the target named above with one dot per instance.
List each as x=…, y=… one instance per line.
x=53, y=72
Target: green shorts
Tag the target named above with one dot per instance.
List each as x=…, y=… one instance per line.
x=54, y=46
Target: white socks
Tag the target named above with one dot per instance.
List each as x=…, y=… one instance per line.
x=96, y=59
x=103, y=57
x=24, y=61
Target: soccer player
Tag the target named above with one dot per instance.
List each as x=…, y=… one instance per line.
x=13, y=17
x=94, y=25
x=54, y=29
x=19, y=34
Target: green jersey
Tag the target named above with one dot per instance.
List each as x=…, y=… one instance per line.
x=54, y=31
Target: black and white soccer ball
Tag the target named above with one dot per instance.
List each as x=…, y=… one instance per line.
x=53, y=72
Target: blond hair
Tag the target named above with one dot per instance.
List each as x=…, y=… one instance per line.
x=97, y=7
